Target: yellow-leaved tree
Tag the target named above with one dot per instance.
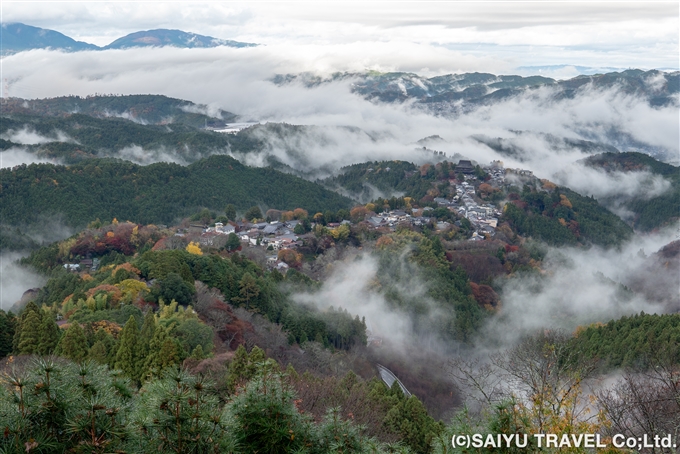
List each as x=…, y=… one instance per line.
x=194, y=248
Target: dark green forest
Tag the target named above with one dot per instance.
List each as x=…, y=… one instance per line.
x=90, y=137
x=630, y=342
x=157, y=193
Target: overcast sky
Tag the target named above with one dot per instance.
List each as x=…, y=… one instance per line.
x=429, y=37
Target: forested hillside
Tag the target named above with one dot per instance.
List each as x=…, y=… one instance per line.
x=649, y=213
x=143, y=109
x=561, y=216
x=147, y=310
x=450, y=92
x=634, y=342
x=387, y=177
x=77, y=137
x=539, y=209
x=157, y=193
x=144, y=128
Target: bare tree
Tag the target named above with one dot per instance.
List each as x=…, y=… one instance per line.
x=541, y=373
x=479, y=380
x=644, y=403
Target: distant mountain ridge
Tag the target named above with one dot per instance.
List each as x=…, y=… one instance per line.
x=457, y=93
x=175, y=38
x=17, y=37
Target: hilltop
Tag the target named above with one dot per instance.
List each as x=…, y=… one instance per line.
x=457, y=93
x=174, y=38
x=18, y=37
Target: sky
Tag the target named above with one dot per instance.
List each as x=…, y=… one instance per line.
x=425, y=37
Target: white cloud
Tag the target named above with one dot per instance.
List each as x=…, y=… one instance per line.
x=16, y=156
x=581, y=286
x=138, y=155
x=639, y=34
x=15, y=280
x=237, y=80
x=27, y=136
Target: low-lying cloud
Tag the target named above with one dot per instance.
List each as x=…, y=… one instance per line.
x=577, y=287
x=239, y=80
x=27, y=136
x=143, y=156
x=351, y=286
x=16, y=156
x=15, y=280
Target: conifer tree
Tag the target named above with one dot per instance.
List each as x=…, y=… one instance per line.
x=248, y=290
x=74, y=343
x=263, y=418
x=237, y=369
x=50, y=334
x=163, y=353
x=230, y=212
x=30, y=307
x=98, y=353
x=146, y=335
x=244, y=366
x=103, y=338
x=178, y=414
x=409, y=419
x=29, y=339
x=255, y=360
x=127, y=357
x=170, y=354
x=198, y=353
x=7, y=328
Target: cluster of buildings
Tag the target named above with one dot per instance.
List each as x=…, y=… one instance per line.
x=496, y=172
x=393, y=218
x=86, y=264
x=278, y=235
x=483, y=217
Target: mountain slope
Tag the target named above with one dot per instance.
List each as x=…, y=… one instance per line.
x=77, y=137
x=17, y=37
x=174, y=38
x=145, y=109
x=455, y=93
x=157, y=193
x=650, y=213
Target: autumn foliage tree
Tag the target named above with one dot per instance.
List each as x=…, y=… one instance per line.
x=290, y=257
x=300, y=214
x=194, y=248
x=358, y=213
